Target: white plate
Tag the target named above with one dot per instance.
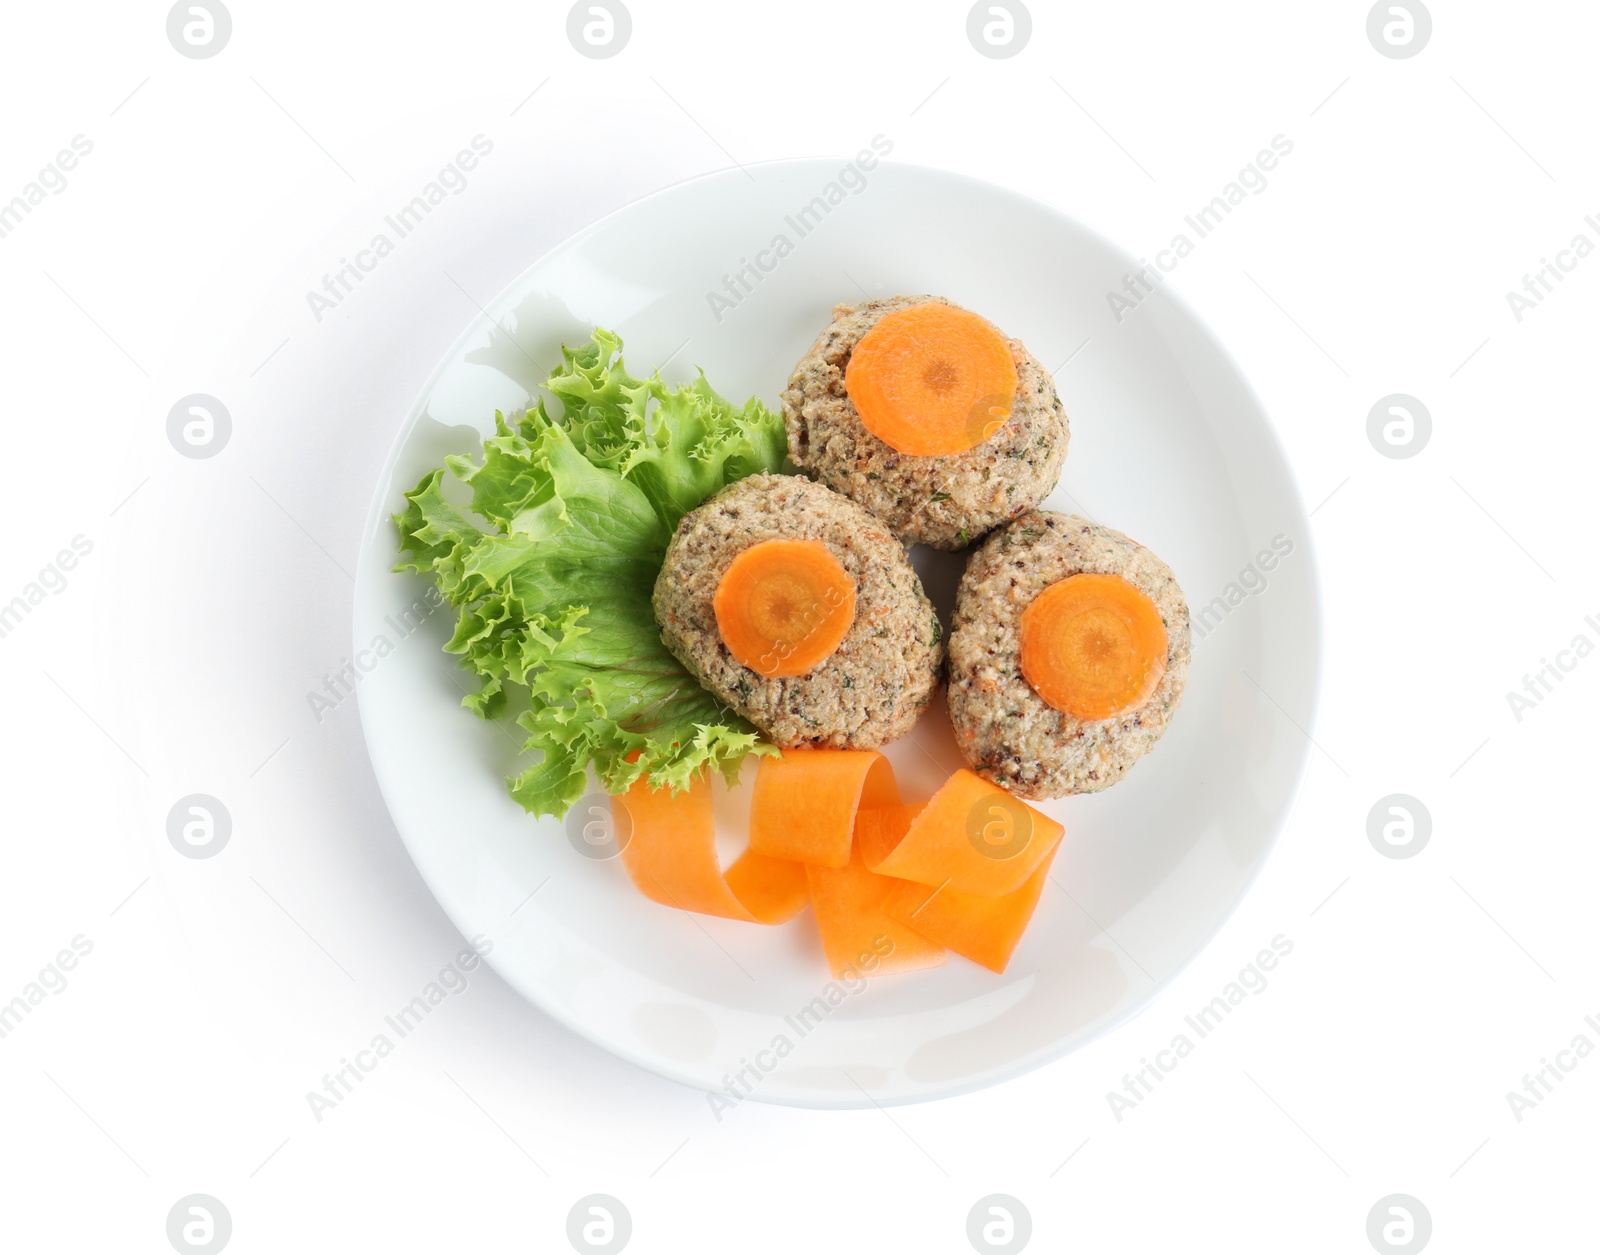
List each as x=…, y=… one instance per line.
x=1168, y=445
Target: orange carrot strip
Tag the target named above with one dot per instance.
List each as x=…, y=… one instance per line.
x=1093, y=646
x=671, y=855
x=771, y=889
x=857, y=937
x=783, y=606
x=985, y=930
x=932, y=380
x=973, y=837
x=880, y=828
x=805, y=802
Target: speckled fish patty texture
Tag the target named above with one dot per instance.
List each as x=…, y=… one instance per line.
x=871, y=689
x=947, y=502
x=1006, y=730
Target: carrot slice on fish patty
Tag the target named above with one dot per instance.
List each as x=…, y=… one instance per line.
x=1093, y=646
x=783, y=606
x=932, y=380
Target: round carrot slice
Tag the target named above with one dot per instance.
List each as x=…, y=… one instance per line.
x=931, y=380
x=783, y=606
x=1093, y=646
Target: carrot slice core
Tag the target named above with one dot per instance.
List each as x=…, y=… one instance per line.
x=783, y=606
x=932, y=380
x=1093, y=646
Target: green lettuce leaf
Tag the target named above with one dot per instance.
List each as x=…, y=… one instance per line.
x=551, y=565
x=680, y=450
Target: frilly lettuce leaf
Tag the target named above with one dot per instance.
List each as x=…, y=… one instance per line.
x=686, y=446
x=551, y=566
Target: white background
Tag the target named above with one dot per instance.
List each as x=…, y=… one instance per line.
x=176, y=659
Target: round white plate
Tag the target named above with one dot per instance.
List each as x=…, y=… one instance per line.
x=1168, y=445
